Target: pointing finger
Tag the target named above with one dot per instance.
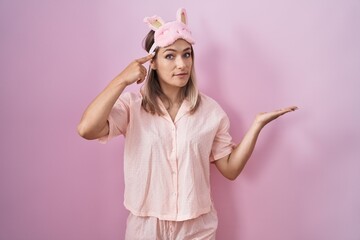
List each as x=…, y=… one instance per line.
x=145, y=59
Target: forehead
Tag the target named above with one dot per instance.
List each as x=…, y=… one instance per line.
x=179, y=45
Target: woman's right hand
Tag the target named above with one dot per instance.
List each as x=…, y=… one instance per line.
x=135, y=71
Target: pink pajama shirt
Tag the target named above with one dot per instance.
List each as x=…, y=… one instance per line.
x=166, y=162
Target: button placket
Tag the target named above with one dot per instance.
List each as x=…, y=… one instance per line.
x=174, y=163
x=174, y=142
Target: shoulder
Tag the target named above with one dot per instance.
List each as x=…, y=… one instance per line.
x=128, y=100
x=212, y=111
x=209, y=103
x=130, y=97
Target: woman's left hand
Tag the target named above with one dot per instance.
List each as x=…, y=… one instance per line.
x=266, y=117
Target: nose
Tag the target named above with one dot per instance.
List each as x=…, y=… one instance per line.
x=180, y=63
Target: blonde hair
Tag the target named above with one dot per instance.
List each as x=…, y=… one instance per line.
x=152, y=89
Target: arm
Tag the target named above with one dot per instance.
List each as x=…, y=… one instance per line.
x=231, y=166
x=93, y=123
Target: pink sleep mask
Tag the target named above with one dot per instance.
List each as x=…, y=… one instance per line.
x=167, y=33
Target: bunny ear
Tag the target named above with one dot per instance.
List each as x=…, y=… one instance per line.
x=181, y=16
x=154, y=22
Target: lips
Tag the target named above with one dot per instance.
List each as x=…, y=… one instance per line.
x=181, y=74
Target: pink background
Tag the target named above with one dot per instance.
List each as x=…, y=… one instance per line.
x=303, y=179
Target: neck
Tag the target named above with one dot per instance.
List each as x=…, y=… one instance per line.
x=172, y=93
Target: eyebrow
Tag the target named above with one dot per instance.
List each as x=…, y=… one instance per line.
x=173, y=50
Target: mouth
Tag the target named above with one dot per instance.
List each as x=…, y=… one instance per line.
x=181, y=74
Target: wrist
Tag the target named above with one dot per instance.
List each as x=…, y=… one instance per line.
x=119, y=82
x=257, y=126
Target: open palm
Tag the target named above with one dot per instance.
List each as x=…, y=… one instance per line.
x=266, y=117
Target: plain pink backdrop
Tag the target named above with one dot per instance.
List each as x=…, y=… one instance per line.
x=302, y=181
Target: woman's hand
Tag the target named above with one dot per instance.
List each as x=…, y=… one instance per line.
x=265, y=117
x=135, y=71
x=231, y=165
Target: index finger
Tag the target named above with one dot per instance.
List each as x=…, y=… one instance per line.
x=288, y=109
x=145, y=59
x=292, y=108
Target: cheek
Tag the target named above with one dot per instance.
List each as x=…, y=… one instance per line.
x=164, y=67
x=189, y=62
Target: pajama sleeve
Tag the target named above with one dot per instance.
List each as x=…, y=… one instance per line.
x=223, y=144
x=118, y=118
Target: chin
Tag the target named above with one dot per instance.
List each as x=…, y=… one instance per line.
x=181, y=82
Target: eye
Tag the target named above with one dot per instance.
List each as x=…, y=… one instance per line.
x=169, y=56
x=187, y=55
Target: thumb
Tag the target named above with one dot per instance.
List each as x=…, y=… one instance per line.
x=145, y=59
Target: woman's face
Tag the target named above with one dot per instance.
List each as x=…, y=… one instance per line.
x=173, y=64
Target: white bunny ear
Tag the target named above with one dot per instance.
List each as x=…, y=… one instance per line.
x=181, y=15
x=154, y=22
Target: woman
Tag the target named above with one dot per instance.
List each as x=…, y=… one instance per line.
x=172, y=134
